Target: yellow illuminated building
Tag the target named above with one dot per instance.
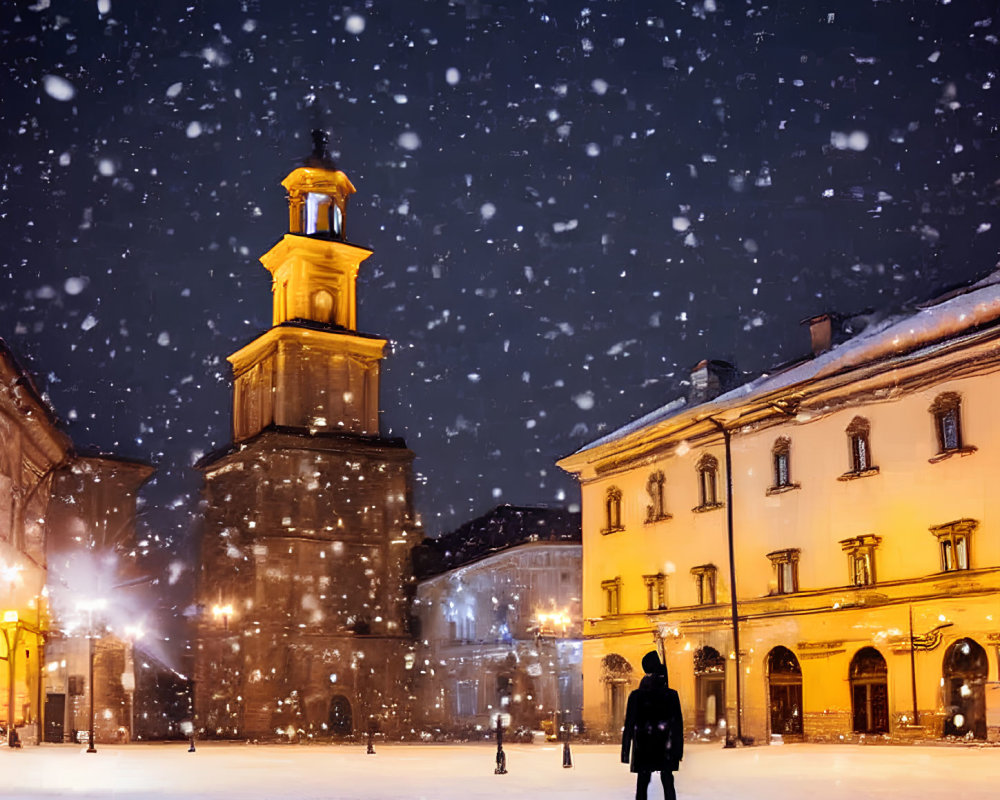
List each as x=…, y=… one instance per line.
x=851, y=494
x=31, y=450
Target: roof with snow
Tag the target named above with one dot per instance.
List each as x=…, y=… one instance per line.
x=913, y=333
x=504, y=527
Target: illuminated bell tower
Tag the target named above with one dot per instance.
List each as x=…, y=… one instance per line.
x=304, y=575
x=312, y=370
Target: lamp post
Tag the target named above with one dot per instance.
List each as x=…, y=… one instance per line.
x=90, y=606
x=10, y=618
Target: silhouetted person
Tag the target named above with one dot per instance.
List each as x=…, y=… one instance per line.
x=653, y=738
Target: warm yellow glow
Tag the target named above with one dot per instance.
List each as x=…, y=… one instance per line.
x=10, y=616
x=553, y=619
x=222, y=611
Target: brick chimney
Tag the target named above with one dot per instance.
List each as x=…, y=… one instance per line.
x=820, y=332
x=709, y=379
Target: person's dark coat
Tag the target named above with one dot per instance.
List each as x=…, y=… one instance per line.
x=653, y=737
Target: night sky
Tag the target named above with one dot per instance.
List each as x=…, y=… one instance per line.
x=570, y=204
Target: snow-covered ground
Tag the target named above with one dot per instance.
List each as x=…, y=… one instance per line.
x=439, y=772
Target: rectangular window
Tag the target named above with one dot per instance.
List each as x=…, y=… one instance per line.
x=781, y=469
x=954, y=553
x=859, y=453
x=656, y=591
x=954, y=543
x=949, y=429
x=466, y=696
x=612, y=597
x=704, y=577
x=861, y=558
x=786, y=567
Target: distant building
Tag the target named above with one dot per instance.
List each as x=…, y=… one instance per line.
x=499, y=611
x=853, y=491
x=92, y=559
x=304, y=580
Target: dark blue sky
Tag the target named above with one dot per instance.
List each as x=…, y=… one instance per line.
x=569, y=203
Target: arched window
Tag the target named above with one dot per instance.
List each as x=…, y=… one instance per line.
x=859, y=448
x=869, y=691
x=708, y=473
x=612, y=510
x=339, y=721
x=946, y=411
x=784, y=679
x=964, y=671
x=656, y=510
x=616, y=675
x=322, y=306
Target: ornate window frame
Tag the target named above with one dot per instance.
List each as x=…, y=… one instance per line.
x=706, y=577
x=612, y=596
x=955, y=544
x=708, y=483
x=781, y=467
x=656, y=591
x=861, y=559
x=946, y=411
x=786, y=570
x=859, y=450
x=655, y=488
x=612, y=510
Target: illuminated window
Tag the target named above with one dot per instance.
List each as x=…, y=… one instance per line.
x=786, y=568
x=656, y=510
x=861, y=559
x=954, y=543
x=466, y=698
x=612, y=596
x=612, y=510
x=708, y=473
x=656, y=591
x=781, y=470
x=705, y=577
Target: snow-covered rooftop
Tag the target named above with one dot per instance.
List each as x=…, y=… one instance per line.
x=913, y=332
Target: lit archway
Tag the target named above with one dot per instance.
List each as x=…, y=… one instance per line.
x=710, y=691
x=869, y=692
x=784, y=679
x=340, y=722
x=964, y=671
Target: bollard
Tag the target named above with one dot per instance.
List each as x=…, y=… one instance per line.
x=191, y=748
x=371, y=748
x=567, y=756
x=501, y=756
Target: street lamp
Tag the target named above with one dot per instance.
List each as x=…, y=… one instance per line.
x=90, y=606
x=10, y=618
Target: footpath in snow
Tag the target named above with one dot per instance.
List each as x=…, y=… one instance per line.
x=442, y=772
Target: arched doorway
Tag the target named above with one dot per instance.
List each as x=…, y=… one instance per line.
x=340, y=722
x=784, y=680
x=710, y=691
x=869, y=692
x=965, y=669
x=616, y=674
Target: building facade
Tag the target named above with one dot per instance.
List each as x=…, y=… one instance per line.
x=304, y=580
x=851, y=496
x=32, y=449
x=498, y=607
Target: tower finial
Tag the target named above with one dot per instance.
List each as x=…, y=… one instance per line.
x=319, y=156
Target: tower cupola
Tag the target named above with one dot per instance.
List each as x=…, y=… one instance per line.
x=317, y=195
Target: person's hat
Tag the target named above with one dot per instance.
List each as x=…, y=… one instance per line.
x=651, y=663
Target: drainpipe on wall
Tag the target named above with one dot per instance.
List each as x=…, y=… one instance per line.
x=726, y=437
